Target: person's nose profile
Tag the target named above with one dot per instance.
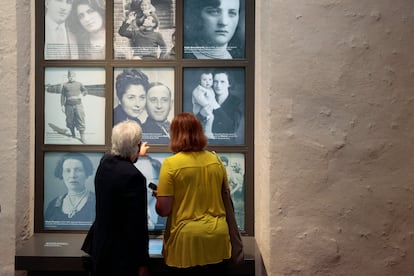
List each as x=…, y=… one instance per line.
x=159, y=105
x=223, y=20
x=87, y=18
x=65, y=6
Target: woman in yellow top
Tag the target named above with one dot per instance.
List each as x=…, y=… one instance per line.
x=196, y=240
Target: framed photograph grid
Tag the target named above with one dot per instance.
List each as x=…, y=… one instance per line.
x=91, y=70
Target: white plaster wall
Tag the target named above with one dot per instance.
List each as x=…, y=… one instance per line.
x=8, y=135
x=334, y=165
x=8, y=131
x=16, y=129
x=334, y=135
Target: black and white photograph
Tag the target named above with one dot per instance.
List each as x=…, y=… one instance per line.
x=235, y=167
x=74, y=29
x=69, y=197
x=145, y=95
x=214, y=29
x=74, y=106
x=217, y=96
x=150, y=166
x=144, y=29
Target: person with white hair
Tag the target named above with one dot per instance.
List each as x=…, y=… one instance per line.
x=118, y=240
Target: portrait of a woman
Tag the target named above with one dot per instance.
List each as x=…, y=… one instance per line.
x=228, y=126
x=88, y=24
x=131, y=90
x=214, y=29
x=75, y=207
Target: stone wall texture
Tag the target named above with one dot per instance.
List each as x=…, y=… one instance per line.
x=334, y=135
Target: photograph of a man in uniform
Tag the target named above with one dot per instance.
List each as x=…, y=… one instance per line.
x=74, y=105
x=71, y=102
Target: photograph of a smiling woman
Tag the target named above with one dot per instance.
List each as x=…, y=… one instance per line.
x=145, y=95
x=214, y=29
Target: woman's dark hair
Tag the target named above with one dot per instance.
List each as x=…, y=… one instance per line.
x=86, y=162
x=225, y=72
x=186, y=133
x=130, y=77
x=76, y=26
x=237, y=44
x=193, y=24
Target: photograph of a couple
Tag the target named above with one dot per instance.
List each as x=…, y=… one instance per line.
x=74, y=29
x=216, y=96
x=145, y=95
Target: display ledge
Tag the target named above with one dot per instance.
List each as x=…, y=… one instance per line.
x=48, y=253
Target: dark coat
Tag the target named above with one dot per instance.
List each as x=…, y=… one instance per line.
x=156, y=133
x=227, y=117
x=118, y=239
x=228, y=124
x=83, y=218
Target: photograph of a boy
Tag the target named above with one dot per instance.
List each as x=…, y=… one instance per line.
x=143, y=29
x=146, y=43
